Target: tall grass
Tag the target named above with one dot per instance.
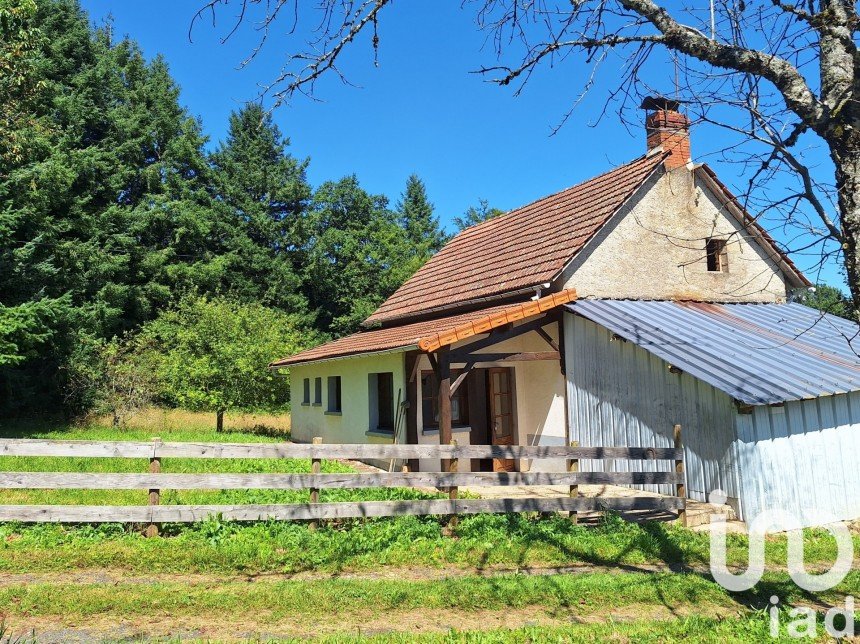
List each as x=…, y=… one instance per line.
x=155, y=420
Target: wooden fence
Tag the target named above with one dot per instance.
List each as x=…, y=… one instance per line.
x=450, y=481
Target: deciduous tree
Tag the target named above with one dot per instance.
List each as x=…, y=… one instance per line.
x=213, y=354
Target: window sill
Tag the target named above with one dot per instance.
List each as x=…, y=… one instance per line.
x=380, y=433
x=317, y=405
x=306, y=404
x=334, y=413
x=434, y=431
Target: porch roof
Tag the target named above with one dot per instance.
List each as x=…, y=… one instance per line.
x=427, y=335
x=757, y=353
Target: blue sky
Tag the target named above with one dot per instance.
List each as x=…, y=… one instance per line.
x=420, y=110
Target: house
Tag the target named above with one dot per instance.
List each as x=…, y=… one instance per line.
x=606, y=314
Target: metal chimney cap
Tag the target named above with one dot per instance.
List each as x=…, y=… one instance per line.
x=660, y=103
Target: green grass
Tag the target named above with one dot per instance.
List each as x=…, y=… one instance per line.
x=696, y=629
x=748, y=628
x=398, y=549
x=274, y=601
x=350, y=603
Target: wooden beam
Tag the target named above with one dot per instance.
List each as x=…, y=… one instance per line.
x=462, y=377
x=413, y=405
x=552, y=343
x=562, y=360
x=502, y=334
x=413, y=361
x=524, y=356
x=443, y=355
x=318, y=511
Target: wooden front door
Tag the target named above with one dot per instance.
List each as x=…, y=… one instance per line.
x=502, y=414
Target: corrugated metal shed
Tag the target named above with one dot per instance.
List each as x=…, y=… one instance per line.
x=756, y=353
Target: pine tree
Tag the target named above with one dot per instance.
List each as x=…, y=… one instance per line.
x=415, y=213
x=475, y=215
x=264, y=193
x=109, y=214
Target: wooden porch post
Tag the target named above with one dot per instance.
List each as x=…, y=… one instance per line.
x=413, y=406
x=444, y=377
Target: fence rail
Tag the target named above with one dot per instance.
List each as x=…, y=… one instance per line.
x=122, y=449
x=155, y=481
x=77, y=481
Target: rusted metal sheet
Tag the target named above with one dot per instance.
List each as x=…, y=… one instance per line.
x=756, y=353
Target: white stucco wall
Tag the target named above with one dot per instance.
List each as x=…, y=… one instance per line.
x=538, y=390
x=655, y=249
x=539, y=401
x=353, y=423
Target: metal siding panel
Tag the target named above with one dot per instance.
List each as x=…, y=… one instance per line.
x=766, y=456
x=802, y=458
x=749, y=479
x=620, y=394
x=832, y=449
x=850, y=441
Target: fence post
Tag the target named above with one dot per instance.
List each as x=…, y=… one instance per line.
x=154, y=493
x=681, y=487
x=573, y=467
x=316, y=465
x=453, y=491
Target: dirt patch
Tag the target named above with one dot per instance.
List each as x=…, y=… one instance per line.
x=240, y=627
x=116, y=576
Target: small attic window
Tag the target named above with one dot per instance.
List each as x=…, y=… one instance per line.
x=718, y=257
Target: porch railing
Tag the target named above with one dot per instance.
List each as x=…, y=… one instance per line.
x=155, y=481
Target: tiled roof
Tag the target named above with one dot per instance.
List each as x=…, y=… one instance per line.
x=523, y=248
x=398, y=337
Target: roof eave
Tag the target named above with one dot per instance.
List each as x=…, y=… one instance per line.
x=280, y=364
x=451, y=309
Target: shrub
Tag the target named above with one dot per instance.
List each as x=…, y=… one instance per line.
x=213, y=354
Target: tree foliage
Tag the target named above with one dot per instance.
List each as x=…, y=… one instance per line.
x=354, y=254
x=416, y=216
x=265, y=195
x=116, y=376
x=830, y=299
x=213, y=354
x=20, y=80
x=477, y=214
x=780, y=78
x=112, y=210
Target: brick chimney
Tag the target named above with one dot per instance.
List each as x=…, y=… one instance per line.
x=667, y=128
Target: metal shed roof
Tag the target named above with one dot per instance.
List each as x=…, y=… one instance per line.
x=757, y=353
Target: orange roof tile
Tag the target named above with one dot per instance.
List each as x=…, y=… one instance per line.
x=523, y=248
x=429, y=335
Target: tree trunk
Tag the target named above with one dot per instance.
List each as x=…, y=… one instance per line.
x=219, y=423
x=845, y=152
